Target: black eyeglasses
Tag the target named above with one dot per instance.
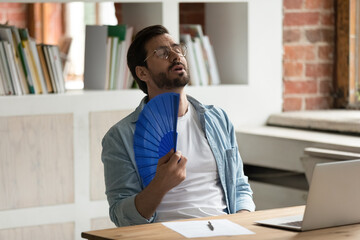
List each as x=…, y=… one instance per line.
x=163, y=52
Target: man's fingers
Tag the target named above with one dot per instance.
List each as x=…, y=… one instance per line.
x=176, y=158
x=173, y=159
x=166, y=157
x=181, y=163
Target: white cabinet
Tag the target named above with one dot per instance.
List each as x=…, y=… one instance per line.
x=247, y=38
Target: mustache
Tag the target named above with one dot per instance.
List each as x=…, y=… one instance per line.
x=176, y=63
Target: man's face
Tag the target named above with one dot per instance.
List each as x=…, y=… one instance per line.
x=165, y=74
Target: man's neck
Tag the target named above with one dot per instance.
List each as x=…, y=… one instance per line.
x=183, y=105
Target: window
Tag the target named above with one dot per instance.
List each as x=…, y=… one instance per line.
x=347, y=72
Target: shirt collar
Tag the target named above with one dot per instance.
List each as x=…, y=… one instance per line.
x=139, y=109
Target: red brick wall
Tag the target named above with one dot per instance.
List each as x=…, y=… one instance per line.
x=192, y=13
x=308, y=41
x=118, y=12
x=53, y=25
x=14, y=14
x=17, y=14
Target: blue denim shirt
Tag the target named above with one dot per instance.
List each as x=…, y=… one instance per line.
x=122, y=179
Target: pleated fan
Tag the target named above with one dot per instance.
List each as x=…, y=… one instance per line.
x=155, y=133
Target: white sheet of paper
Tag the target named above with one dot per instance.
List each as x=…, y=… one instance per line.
x=193, y=229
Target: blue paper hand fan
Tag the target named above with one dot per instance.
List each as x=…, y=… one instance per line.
x=155, y=133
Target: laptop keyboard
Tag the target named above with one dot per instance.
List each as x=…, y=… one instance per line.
x=295, y=224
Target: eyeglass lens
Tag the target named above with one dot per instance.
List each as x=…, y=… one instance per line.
x=164, y=52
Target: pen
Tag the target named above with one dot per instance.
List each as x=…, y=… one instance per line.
x=210, y=226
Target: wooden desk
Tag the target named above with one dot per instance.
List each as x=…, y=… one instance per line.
x=159, y=231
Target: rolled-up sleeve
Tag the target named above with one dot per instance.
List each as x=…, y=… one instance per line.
x=244, y=198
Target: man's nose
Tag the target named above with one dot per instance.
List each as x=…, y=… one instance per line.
x=174, y=56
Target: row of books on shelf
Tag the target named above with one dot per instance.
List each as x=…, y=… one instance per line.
x=105, y=57
x=27, y=67
x=106, y=50
x=200, y=56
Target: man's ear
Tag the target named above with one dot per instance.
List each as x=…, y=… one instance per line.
x=142, y=73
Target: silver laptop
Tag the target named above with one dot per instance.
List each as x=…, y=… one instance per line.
x=333, y=199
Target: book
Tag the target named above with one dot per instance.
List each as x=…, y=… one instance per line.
x=32, y=68
x=127, y=76
x=58, y=67
x=29, y=61
x=44, y=68
x=15, y=80
x=55, y=67
x=117, y=33
x=36, y=59
x=113, y=59
x=214, y=73
x=46, y=50
x=95, y=57
x=4, y=68
x=119, y=76
x=108, y=60
x=203, y=73
x=2, y=79
x=191, y=60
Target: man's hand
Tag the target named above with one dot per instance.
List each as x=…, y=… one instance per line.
x=170, y=172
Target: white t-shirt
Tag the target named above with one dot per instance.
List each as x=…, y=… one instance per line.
x=200, y=194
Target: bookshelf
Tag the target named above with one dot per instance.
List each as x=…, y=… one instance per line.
x=250, y=69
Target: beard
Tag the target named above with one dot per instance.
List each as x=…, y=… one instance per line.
x=162, y=81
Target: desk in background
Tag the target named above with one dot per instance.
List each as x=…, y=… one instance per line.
x=160, y=232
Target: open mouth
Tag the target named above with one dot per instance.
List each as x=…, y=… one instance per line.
x=178, y=68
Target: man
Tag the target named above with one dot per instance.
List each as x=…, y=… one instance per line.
x=209, y=178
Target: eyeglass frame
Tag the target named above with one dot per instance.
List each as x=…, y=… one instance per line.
x=182, y=46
